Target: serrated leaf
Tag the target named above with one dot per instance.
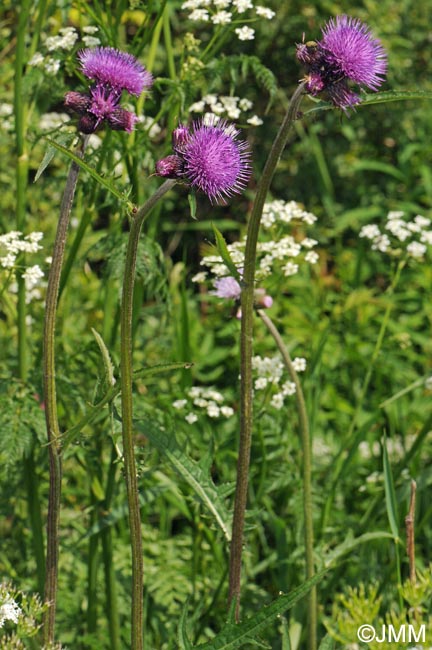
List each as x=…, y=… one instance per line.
x=190, y=471
x=225, y=254
x=108, y=185
x=233, y=636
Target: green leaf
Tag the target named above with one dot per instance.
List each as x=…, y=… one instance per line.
x=234, y=636
x=390, y=494
x=327, y=643
x=192, y=203
x=225, y=254
x=189, y=470
x=378, y=98
x=71, y=434
x=108, y=364
x=63, y=139
x=350, y=543
x=93, y=173
x=182, y=637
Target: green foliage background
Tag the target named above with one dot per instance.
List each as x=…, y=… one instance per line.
x=348, y=172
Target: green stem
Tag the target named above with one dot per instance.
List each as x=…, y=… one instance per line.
x=307, y=477
x=168, y=43
x=246, y=347
x=137, y=221
x=51, y=415
x=337, y=469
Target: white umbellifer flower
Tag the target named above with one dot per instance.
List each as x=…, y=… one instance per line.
x=32, y=275
x=255, y=121
x=200, y=277
x=91, y=41
x=290, y=269
x=50, y=121
x=288, y=388
x=218, y=109
x=277, y=401
x=299, y=364
x=261, y=383
x=381, y=243
x=51, y=66
x=179, y=403
x=199, y=14
x=370, y=231
x=423, y=222
x=221, y=4
x=213, y=410
x=227, y=411
x=221, y=18
x=8, y=261
x=9, y=611
x=307, y=242
x=416, y=249
x=210, y=99
x=311, y=257
x=36, y=60
x=428, y=383
x=245, y=104
x=233, y=113
x=242, y=5
x=90, y=29
x=65, y=41
x=264, y=12
x=245, y=33
x=191, y=418
x=197, y=107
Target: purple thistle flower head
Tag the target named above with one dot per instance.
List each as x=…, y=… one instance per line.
x=347, y=53
x=118, y=70
x=227, y=287
x=350, y=49
x=215, y=161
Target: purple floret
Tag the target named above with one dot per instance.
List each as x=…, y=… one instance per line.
x=215, y=161
x=119, y=70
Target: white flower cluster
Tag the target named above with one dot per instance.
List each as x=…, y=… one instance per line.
x=208, y=400
x=223, y=12
x=269, y=372
x=6, y=115
x=11, y=245
x=282, y=253
x=400, y=235
x=64, y=41
x=9, y=610
x=225, y=105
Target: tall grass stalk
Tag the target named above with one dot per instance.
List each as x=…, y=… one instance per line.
x=137, y=221
x=50, y=397
x=24, y=362
x=246, y=347
x=306, y=475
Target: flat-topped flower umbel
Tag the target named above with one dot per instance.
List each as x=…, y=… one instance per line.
x=347, y=53
x=112, y=72
x=209, y=157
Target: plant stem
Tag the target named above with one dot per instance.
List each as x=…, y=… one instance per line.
x=51, y=415
x=307, y=477
x=137, y=221
x=246, y=347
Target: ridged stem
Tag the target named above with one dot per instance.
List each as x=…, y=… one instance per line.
x=50, y=399
x=246, y=348
x=306, y=477
x=137, y=221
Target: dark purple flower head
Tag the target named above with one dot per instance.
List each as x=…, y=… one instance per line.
x=118, y=70
x=347, y=53
x=112, y=72
x=214, y=161
x=170, y=167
